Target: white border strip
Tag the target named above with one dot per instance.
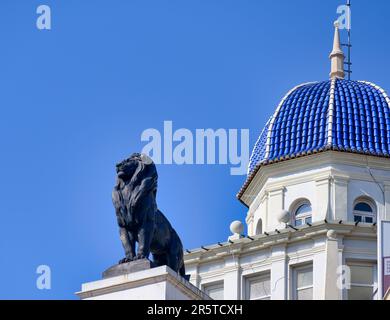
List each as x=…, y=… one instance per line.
x=331, y=110
x=275, y=115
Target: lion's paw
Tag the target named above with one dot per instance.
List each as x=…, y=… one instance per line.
x=125, y=260
x=139, y=256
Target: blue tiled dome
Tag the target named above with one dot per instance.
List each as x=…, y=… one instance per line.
x=337, y=114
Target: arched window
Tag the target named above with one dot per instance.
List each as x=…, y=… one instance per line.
x=364, y=211
x=302, y=213
x=259, y=227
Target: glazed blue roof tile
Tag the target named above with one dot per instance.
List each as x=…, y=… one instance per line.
x=258, y=152
x=337, y=114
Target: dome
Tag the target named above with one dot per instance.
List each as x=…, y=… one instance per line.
x=338, y=114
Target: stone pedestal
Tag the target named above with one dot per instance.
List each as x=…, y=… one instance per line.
x=126, y=268
x=137, y=281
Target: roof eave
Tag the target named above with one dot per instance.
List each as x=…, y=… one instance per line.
x=250, y=178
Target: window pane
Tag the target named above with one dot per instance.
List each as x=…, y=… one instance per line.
x=360, y=293
x=214, y=291
x=358, y=218
x=369, y=220
x=303, y=209
x=308, y=220
x=298, y=223
x=304, y=278
x=259, y=288
x=361, y=275
x=362, y=206
x=305, y=294
x=259, y=227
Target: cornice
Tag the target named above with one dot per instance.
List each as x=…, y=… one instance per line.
x=286, y=237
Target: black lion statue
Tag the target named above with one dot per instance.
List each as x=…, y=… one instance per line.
x=139, y=220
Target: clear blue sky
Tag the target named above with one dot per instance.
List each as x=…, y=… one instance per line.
x=76, y=99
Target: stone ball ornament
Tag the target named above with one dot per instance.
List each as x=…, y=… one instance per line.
x=237, y=227
x=284, y=216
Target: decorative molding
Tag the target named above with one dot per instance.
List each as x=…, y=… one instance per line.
x=322, y=161
x=141, y=279
x=286, y=237
x=330, y=110
x=275, y=190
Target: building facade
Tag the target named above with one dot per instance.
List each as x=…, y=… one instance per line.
x=318, y=183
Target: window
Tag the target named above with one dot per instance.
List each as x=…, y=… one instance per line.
x=259, y=287
x=303, y=283
x=302, y=214
x=259, y=227
x=363, y=212
x=362, y=282
x=214, y=290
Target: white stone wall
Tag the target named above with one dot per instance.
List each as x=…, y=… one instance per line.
x=324, y=254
